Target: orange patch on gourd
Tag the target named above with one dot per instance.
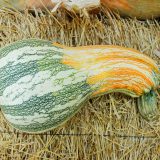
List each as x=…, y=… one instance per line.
x=116, y=4
x=75, y=62
x=113, y=87
x=115, y=56
x=93, y=58
x=117, y=73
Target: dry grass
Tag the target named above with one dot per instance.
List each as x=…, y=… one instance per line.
x=107, y=127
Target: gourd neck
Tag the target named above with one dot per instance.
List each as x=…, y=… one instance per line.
x=113, y=68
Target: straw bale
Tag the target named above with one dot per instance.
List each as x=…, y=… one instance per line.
x=107, y=127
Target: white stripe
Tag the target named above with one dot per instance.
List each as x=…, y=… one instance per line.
x=118, y=65
x=97, y=52
x=30, y=120
x=27, y=54
x=69, y=104
x=42, y=118
x=27, y=120
x=38, y=85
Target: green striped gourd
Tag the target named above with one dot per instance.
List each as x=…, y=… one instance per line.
x=42, y=84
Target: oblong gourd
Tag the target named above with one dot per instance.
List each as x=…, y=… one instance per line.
x=42, y=85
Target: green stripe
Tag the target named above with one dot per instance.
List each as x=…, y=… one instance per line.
x=20, y=44
x=52, y=64
x=11, y=74
x=47, y=103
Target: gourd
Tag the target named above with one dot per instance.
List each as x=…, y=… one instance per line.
x=141, y=9
x=43, y=84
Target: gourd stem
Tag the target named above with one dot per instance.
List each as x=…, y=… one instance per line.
x=147, y=105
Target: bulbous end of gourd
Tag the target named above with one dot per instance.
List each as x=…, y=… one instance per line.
x=147, y=105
